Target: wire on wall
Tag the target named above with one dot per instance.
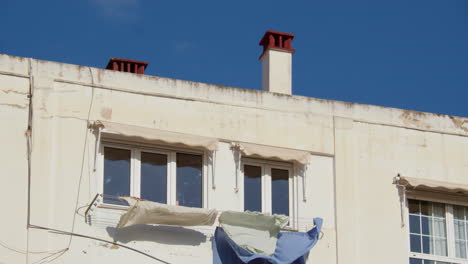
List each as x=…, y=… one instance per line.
x=83, y=157
x=29, y=151
x=72, y=234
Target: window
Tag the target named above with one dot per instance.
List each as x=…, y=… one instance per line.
x=164, y=176
x=438, y=233
x=267, y=187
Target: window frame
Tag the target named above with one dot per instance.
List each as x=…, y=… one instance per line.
x=266, y=184
x=449, y=229
x=135, y=169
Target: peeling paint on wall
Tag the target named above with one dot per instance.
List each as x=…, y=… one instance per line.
x=106, y=113
x=14, y=91
x=413, y=119
x=460, y=123
x=16, y=105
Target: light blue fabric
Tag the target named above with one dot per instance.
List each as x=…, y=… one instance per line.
x=291, y=248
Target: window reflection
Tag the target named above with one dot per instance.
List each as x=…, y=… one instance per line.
x=427, y=227
x=154, y=177
x=189, y=180
x=415, y=261
x=116, y=174
x=426, y=261
x=280, y=191
x=460, y=221
x=252, y=188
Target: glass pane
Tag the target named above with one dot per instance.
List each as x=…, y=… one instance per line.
x=433, y=228
x=252, y=188
x=154, y=177
x=426, y=225
x=116, y=174
x=415, y=226
x=461, y=233
x=189, y=180
x=415, y=243
x=460, y=249
x=438, y=210
x=413, y=207
x=458, y=212
x=280, y=191
x=426, y=208
x=426, y=244
x=459, y=230
x=439, y=246
x=415, y=261
x=439, y=227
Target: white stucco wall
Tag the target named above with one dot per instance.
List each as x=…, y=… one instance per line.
x=277, y=71
x=13, y=187
x=356, y=150
x=368, y=156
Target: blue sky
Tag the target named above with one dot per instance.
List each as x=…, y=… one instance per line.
x=410, y=54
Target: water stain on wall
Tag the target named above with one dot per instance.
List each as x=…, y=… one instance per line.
x=106, y=113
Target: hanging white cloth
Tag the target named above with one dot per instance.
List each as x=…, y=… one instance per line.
x=146, y=212
x=253, y=231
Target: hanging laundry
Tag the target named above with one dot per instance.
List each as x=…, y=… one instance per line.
x=253, y=231
x=146, y=212
x=291, y=247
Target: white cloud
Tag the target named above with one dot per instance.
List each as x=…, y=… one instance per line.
x=119, y=9
x=182, y=46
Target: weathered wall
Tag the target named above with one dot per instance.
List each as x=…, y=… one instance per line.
x=357, y=149
x=368, y=156
x=13, y=170
x=14, y=106
x=277, y=71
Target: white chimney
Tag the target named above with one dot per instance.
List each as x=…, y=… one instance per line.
x=277, y=62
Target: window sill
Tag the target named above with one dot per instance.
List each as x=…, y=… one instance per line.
x=289, y=229
x=438, y=258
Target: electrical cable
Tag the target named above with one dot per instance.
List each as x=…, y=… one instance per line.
x=26, y=252
x=72, y=233
x=29, y=145
x=61, y=232
x=55, y=255
x=78, y=210
x=83, y=157
x=28, y=135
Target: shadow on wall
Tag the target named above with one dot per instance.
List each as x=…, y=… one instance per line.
x=171, y=235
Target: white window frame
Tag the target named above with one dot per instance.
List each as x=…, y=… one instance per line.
x=266, y=166
x=135, y=169
x=449, y=225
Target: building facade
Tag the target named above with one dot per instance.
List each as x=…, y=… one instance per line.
x=72, y=132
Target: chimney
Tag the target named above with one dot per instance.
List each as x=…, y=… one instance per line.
x=125, y=65
x=277, y=62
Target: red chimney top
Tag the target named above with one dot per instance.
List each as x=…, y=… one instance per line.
x=276, y=40
x=125, y=65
